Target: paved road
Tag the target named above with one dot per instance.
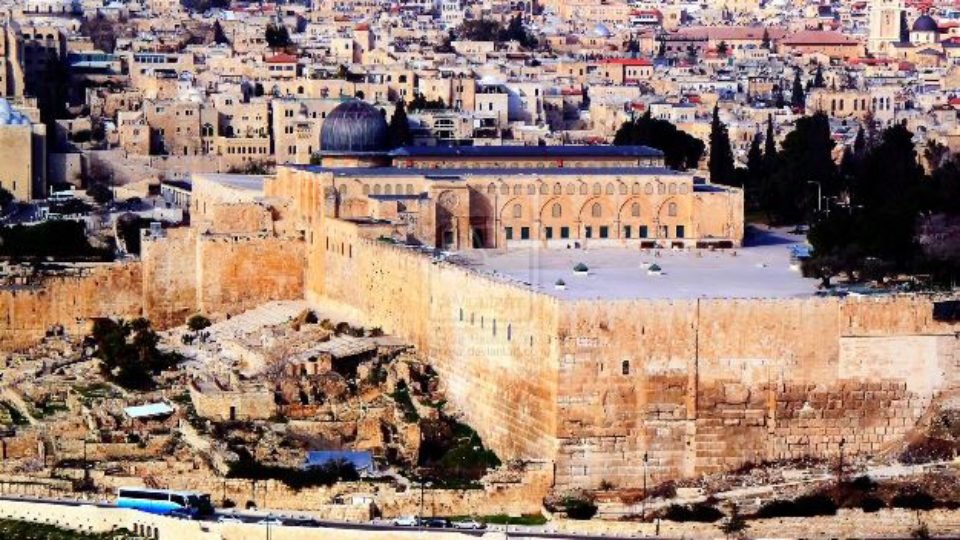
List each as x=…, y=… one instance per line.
x=251, y=517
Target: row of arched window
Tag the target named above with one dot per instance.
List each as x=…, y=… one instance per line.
x=597, y=188
x=596, y=210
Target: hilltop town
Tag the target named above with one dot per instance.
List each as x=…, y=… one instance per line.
x=555, y=268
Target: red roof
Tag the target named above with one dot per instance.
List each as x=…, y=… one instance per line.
x=628, y=61
x=817, y=37
x=954, y=101
x=281, y=58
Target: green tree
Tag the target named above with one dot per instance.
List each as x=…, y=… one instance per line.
x=398, y=131
x=723, y=49
x=681, y=150
x=720, y=163
x=818, y=81
x=734, y=525
x=198, y=322
x=806, y=157
x=277, y=36
x=128, y=352
x=219, y=36
x=797, y=96
x=765, y=41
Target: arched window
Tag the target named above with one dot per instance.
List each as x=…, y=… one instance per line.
x=672, y=209
x=661, y=189
x=596, y=210
x=492, y=189
x=366, y=189
x=597, y=189
x=635, y=210
x=556, y=210
x=623, y=189
x=636, y=188
x=409, y=189
x=673, y=189
x=517, y=211
x=583, y=189
x=518, y=190
x=625, y=367
x=684, y=189
x=388, y=189
x=376, y=189
x=610, y=189
x=571, y=189
x=504, y=189
x=299, y=89
x=557, y=189
x=544, y=189
x=648, y=189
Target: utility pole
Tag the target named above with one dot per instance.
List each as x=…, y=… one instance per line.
x=840, y=469
x=643, y=507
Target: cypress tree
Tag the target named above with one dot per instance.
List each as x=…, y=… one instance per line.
x=398, y=131
x=721, y=152
x=797, y=97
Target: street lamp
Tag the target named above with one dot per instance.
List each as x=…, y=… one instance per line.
x=840, y=469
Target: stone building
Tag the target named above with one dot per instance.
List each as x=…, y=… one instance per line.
x=511, y=196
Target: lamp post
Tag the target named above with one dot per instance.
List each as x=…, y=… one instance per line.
x=840, y=468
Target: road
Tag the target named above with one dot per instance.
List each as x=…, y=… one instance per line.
x=293, y=521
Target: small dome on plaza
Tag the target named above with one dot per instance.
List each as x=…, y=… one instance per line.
x=925, y=23
x=354, y=126
x=601, y=31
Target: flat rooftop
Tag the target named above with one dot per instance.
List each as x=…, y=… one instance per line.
x=759, y=270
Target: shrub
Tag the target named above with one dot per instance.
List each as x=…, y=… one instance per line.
x=198, y=322
x=804, y=506
x=606, y=485
x=560, y=283
x=863, y=483
x=913, y=500
x=579, y=507
x=228, y=503
x=699, y=512
x=871, y=505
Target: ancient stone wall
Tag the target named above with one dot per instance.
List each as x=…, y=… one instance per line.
x=702, y=386
x=170, y=277
x=493, y=343
x=28, y=312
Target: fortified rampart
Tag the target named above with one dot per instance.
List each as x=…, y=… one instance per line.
x=70, y=301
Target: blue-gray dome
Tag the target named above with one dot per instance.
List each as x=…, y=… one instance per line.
x=354, y=126
x=925, y=23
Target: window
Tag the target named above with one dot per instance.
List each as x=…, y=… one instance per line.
x=564, y=232
x=517, y=211
x=557, y=190
x=625, y=367
x=604, y=231
x=643, y=231
x=680, y=231
x=672, y=209
x=524, y=233
x=548, y=233
x=366, y=189
x=388, y=189
x=597, y=189
x=635, y=210
x=509, y=233
x=556, y=210
x=626, y=231
x=504, y=189
x=517, y=190
x=588, y=232
x=609, y=189
x=649, y=189
x=376, y=189
x=636, y=189
x=596, y=210
x=492, y=189
x=583, y=189
x=623, y=189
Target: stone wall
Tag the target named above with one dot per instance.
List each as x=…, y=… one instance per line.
x=703, y=386
x=27, y=312
x=492, y=343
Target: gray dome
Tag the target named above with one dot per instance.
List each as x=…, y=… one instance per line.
x=925, y=23
x=354, y=126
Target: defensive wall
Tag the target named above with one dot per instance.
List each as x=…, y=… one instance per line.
x=696, y=386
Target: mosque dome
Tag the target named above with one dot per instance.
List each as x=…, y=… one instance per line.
x=354, y=126
x=925, y=23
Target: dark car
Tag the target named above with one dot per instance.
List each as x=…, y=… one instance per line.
x=438, y=523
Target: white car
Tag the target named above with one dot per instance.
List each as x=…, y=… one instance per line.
x=468, y=524
x=406, y=521
x=271, y=521
x=229, y=519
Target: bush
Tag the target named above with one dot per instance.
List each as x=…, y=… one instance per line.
x=871, y=505
x=863, y=483
x=579, y=508
x=913, y=500
x=699, y=512
x=63, y=240
x=327, y=474
x=804, y=506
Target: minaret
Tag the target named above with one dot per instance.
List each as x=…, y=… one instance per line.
x=885, y=25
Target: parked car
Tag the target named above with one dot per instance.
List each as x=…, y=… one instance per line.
x=180, y=514
x=406, y=521
x=438, y=523
x=271, y=521
x=468, y=524
x=229, y=519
